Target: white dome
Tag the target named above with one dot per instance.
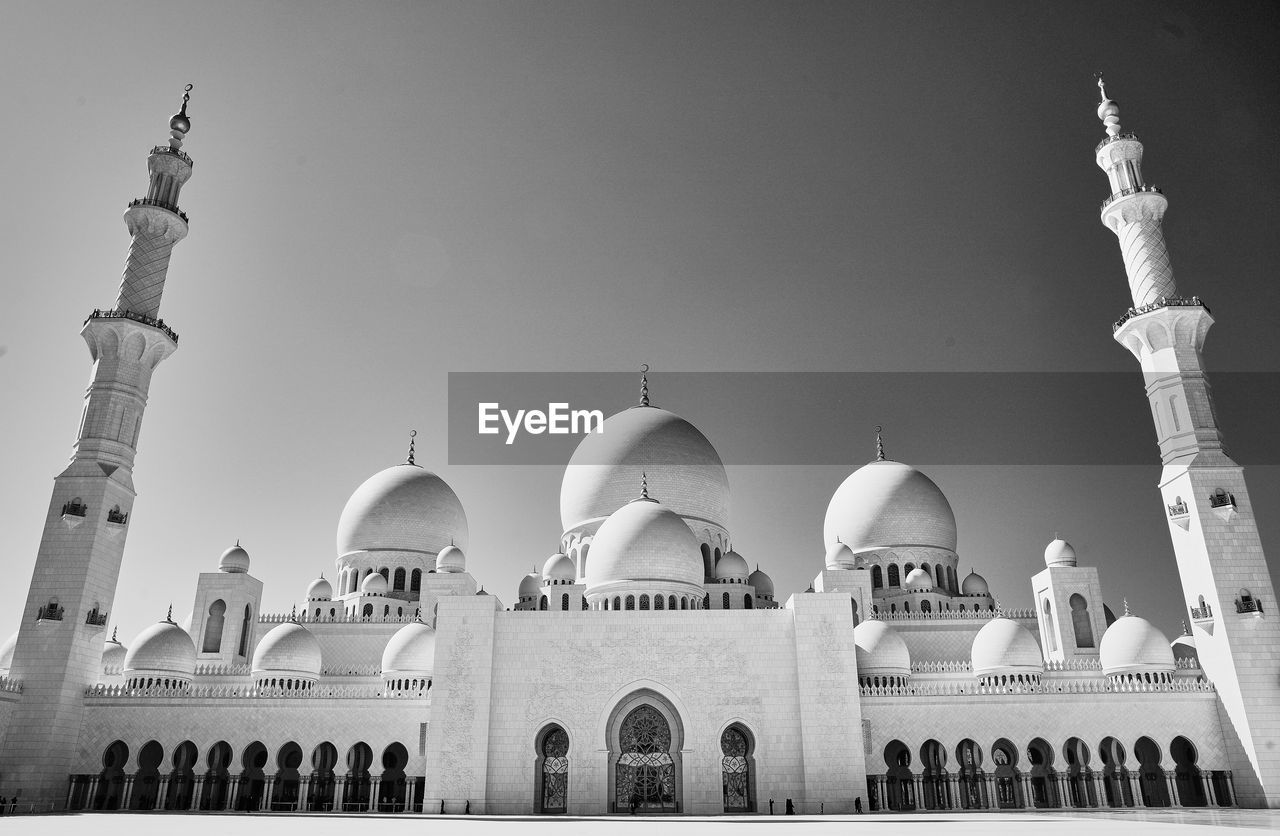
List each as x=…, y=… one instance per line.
x=684, y=471
x=881, y=651
x=1134, y=645
x=644, y=541
x=1184, y=647
x=1059, y=553
x=732, y=567
x=451, y=560
x=762, y=582
x=162, y=649
x=234, y=559
x=320, y=590
x=974, y=584
x=289, y=650
x=6, y=653
x=410, y=652
x=402, y=508
x=113, y=653
x=1004, y=647
x=888, y=504
x=530, y=585
x=373, y=584
x=918, y=580
x=559, y=568
x=839, y=556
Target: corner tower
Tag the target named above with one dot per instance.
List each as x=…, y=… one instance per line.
x=60, y=640
x=1206, y=504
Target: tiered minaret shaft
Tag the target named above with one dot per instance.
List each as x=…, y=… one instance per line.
x=1211, y=518
x=60, y=640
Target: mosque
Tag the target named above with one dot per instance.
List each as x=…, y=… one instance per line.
x=647, y=668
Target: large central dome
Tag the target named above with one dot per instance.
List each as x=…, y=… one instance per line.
x=684, y=471
x=887, y=504
x=402, y=508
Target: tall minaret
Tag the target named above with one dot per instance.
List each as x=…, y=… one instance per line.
x=60, y=640
x=1211, y=520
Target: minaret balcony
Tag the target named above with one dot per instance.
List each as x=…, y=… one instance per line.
x=1126, y=192
x=74, y=512
x=119, y=313
x=1202, y=617
x=146, y=201
x=1117, y=138
x=165, y=149
x=49, y=612
x=96, y=619
x=1162, y=302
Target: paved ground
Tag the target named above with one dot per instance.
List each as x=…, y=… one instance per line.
x=1137, y=823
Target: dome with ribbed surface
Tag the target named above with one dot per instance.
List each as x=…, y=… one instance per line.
x=732, y=567
x=881, y=651
x=683, y=469
x=402, y=508
x=644, y=542
x=1134, y=645
x=320, y=590
x=888, y=504
x=974, y=584
x=410, y=652
x=162, y=650
x=288, y=650
x=1004, y=647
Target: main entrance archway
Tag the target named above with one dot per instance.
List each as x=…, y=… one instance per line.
x=645, y=737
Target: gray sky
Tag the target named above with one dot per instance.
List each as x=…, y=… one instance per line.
x=384, y=193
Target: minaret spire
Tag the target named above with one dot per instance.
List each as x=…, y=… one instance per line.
x=644, y=384
x=412, y=435
x=879, y=444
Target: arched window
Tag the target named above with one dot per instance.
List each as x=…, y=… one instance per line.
x=213, y=627
x=908, y=569
x=746, y=601
x=582, y=562
x=735, y=770
x=368, y=611
x=706, y=601
x=553, y=788
x=684, y=603
x=385, y=572
x=708, y=566
x=415, y=581
x=659, y=603
x=617, y=603
x=724, y=601
x=397, y=582
x=877, y=577
x=893, y=575
x=644, y=602
x=542, y=603
x=925, y=606
x=1080, y=621
x=631, y=602
x=245, y=627
x=671, y=602
x=1051, y=635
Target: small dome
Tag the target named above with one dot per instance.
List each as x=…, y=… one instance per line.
x=644, y=541
x=1134, y=645
x=451, y=560
x=373, y=584
x=320, y=590
x=559, y=568
x=839, y=556
x=410, y=652
x=162, y=649
x=234, y=559
x=886, y=504
x=762, y=582
x=6, y=653
x=732, y=567
x=113, y=653
x=918, y=580
x=289, y=650
x=402, y=508
x=881, y=651
x=1184, y=647
x=530, y=585
x=1059, y=553
x=1004, y=647
x=974, y=584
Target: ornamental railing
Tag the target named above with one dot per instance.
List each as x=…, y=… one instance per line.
x=1178, y=509
x=114, y=516
x=1201, y=613
x=255, y=692
x=1050, y=688
x=1248, y=605
x=74, y=509
x=1108, y=140
x=12, y=686
x=49, y=612
x=120, y=313
x=168, y=207
x=174, y=152
x=96, y=619
x=1221, y=500
x=338, y=618
x=1114, y=196
x=1162, y=302
x=942, y=615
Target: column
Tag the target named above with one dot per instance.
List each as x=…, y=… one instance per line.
x=1173, y=788
x=198, y=792
x=1208, y=788
x=93, y=793
x=1135, y=786
x=1230, y=800
x=304, y=794
x=1099, y=788
x=71, y=790
x=990, y=782
x=374, y=780
x=953, y=792
x=265, y=802
x=162, y=794
x=127, y=795
x=918, y=782
x=233, y=791
x=339, y=792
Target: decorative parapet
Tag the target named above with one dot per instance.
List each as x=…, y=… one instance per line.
x=943, y=666
x=1081, y=663
x=1118, y=137
x=1162, y=302
x=165, y=149
x=222, y=669
x=1188, y=663
x=1054, y=687
x=252, y=692
x=353, y=670
x=12, y=686
x=160, y=204
x=951, y=615
x=340, y=618
x=119, y=313
x=1126, y=192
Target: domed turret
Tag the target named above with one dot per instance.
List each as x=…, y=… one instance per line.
x=113, y=654
x=559, y=569
x=6, y=654
x=451, y=560
x=644, y=546
x=403, y=508
x=410, y=653
x=320, y=590
x=234, y=560
x=1184, y=647
x=839, y=556
x=1133, y=645
x=1059, y=553
x=918, y=580
x=762, y=582
x=373, y=584
x=887, y=504
x=1004, y=648
x=974, y=584
x=882, y=654
x=732, y=568
x=530, y=585
x=162, y=656
x=288, y=657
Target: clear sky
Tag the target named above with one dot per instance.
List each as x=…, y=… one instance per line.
x=387, y=192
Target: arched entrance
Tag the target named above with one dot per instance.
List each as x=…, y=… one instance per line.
x=970, y=778
x=253, y=781
x=1080, y=782
x=285, y=792
x=1114, y=774
x=320, y=794
x=899, y=786
x=111, y=779
x=737, y=777
x=1186, y=774
x=1155, y=790
x=645, y=738
x=1044, y=781
x=182, y=780
x=393, y=787
x=146, y=781
x=552, y=770
x=217, y=779
x=358, y=787
x=935, y=783
x=1004, y=757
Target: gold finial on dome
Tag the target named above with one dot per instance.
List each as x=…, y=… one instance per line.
x=293, y=616
x=117, y=641
x=180, y=124
x=1108, y=111
x=644, y=384
x=879, y=444
x=1126, y=607
x=644, y=486
x=412, y=435
x=1185, y=631
x=169, y=617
